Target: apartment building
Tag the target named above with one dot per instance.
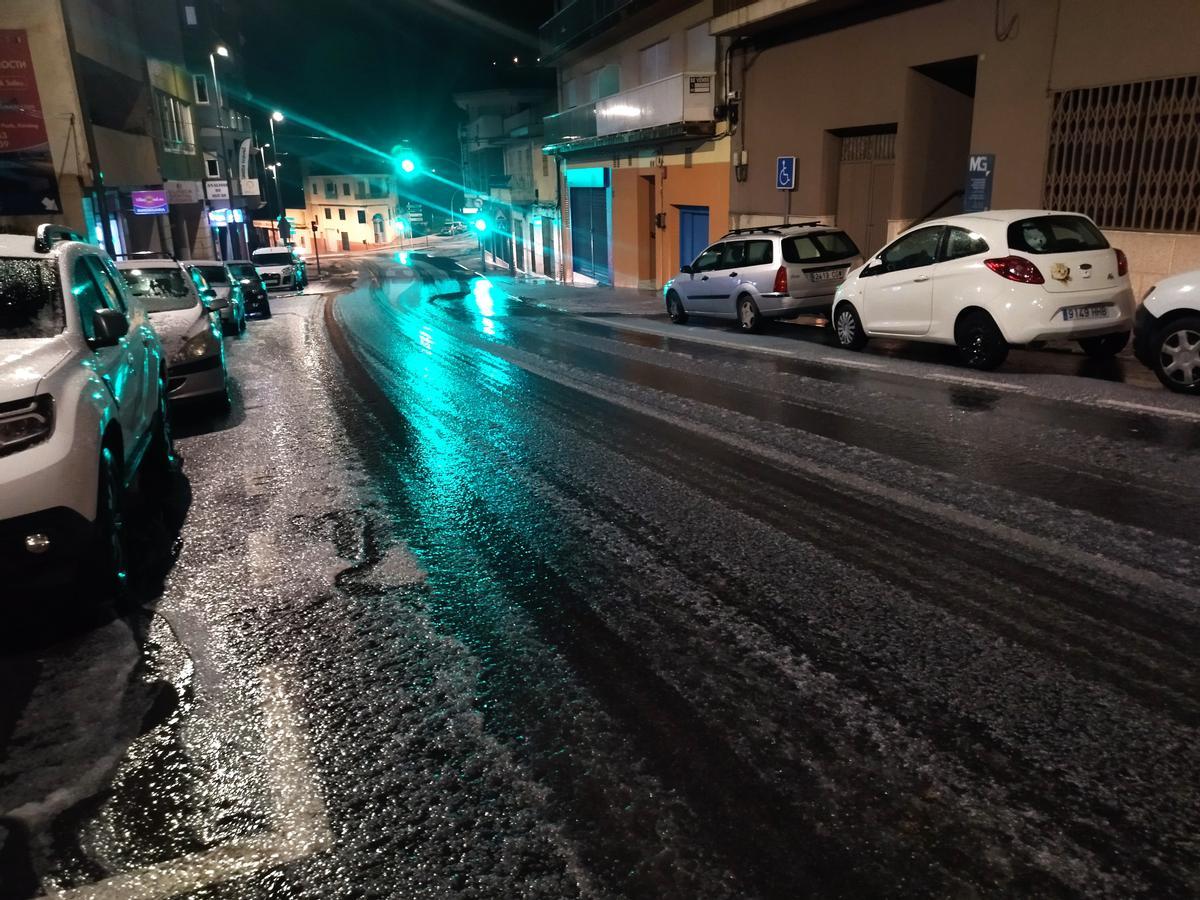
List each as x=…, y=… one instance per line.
x=501, y=145
x=641, y=135
x=895, y=111
x=352, y=211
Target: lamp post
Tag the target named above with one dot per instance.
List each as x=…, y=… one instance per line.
x=223, y=51
x=276, y=116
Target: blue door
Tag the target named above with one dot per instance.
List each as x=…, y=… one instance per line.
x=693, y=233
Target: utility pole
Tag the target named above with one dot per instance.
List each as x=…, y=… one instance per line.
x=221, y=50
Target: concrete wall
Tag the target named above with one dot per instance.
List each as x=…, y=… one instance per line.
x=797, y=92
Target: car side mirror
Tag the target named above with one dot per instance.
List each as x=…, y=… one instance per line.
x=211, y=302
x=686, y=270
x=109, y=326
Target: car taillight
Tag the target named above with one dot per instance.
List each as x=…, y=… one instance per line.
x=1122, y=262
x=1015, y=268
x=781, y=280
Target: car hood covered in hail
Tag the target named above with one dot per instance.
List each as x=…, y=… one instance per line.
x=177, y=325
x=25, y=363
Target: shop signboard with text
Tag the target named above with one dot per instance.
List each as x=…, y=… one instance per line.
x=28, y=185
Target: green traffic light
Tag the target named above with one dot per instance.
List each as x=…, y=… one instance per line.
x=481, y=225
x=408, y=166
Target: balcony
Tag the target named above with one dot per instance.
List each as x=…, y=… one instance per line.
x=579, y=22
x=679, y=106
x=808, y=17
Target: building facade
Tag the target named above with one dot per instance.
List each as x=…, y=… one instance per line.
x=1085, y=105
x=352, y=212
x=641, y=137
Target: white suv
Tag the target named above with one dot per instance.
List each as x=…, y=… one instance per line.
x=986, y=281
x=280, y=268
x=82, y=414
x=770, y=272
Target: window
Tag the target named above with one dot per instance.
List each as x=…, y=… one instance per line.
x=1055, y=234
x=30, y=299
x=200, y=84
x=189, y=15
x=545, y=166
x=913, y=250
x=328, y=213
x=315, y=189
x=961, y=243
x=342, y=214
x=362, y=217
x=87, y=296
x=571, y=93
x=175, y=116
x=707, y=261
x=108, y=284
x=1125, y=154
x=701, y=49
x=362, y=189
x=654, y=62
x=212, y=167
x=811, y=248
x=733, y=254
x=345, y=189
x=760, y=253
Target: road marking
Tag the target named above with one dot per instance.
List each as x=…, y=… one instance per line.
x=1126, y=405
x=299, y=822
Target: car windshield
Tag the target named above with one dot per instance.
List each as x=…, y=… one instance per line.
x=273, y=259
x=244, y=271
x=815, y=248
x=214, y=274
x=1055, y=234
x=30, y=300
x=160, y=290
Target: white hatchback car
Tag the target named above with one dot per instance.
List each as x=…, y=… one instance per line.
x=281, y=268
x=987, y=281
x=1166, y=332
x=769, y=272
x=189, y=326
x=83, y=414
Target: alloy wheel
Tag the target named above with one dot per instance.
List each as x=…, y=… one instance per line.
x=1180, y=357
x=846, y=328
x=748, y=315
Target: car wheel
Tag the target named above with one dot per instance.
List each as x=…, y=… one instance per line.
x=847, y=326
x=980, y=343
x=160, y=463
x=749, y=319
x=241, y=327
x=108, y=570
x=675, y=310
x=1176, y=349
x=1105, y=346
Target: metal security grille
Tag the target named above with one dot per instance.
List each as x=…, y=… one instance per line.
x=1128, y=154
x=858, y=147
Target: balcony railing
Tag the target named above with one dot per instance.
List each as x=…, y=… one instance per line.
x=576, y=22
x=571, y=124
x=686, y=97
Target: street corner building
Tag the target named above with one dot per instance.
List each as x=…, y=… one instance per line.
x=115, y=121
x=675, y=119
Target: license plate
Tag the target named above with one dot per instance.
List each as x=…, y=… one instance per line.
x=1095, y=311
x=827, y=275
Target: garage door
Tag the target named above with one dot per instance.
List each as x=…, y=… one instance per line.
x=589, y=233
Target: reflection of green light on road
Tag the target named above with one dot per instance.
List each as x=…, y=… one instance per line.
x=481, y=292
x=489, y=327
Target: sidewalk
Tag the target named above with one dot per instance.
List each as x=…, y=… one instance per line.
x=592, y=300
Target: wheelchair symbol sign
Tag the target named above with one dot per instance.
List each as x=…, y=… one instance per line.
x=785, y=173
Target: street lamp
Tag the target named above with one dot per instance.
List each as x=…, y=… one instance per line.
x=223, y=51
x=276, y=116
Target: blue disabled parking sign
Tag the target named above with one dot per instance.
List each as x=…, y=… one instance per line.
x=785, y=173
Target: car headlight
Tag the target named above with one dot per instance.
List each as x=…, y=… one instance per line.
x=198, y=346
x=24, y=423
x=289, y=270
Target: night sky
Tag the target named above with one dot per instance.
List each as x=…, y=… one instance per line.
x=382, y=70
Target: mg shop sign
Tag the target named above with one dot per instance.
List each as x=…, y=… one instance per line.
x=977, y=194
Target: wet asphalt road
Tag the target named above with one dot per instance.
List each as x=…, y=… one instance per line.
x=473, y=598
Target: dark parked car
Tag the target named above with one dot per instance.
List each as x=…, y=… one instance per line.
x=254, y=289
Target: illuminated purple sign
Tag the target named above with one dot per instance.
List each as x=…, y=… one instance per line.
x=149, y=203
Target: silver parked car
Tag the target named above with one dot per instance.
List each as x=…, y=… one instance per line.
x=769, y=272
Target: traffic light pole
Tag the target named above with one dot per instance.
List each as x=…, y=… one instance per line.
x=316, y=246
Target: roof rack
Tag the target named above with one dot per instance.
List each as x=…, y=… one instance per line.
x=769, y=229
x=147, y=254
x=48, y=235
